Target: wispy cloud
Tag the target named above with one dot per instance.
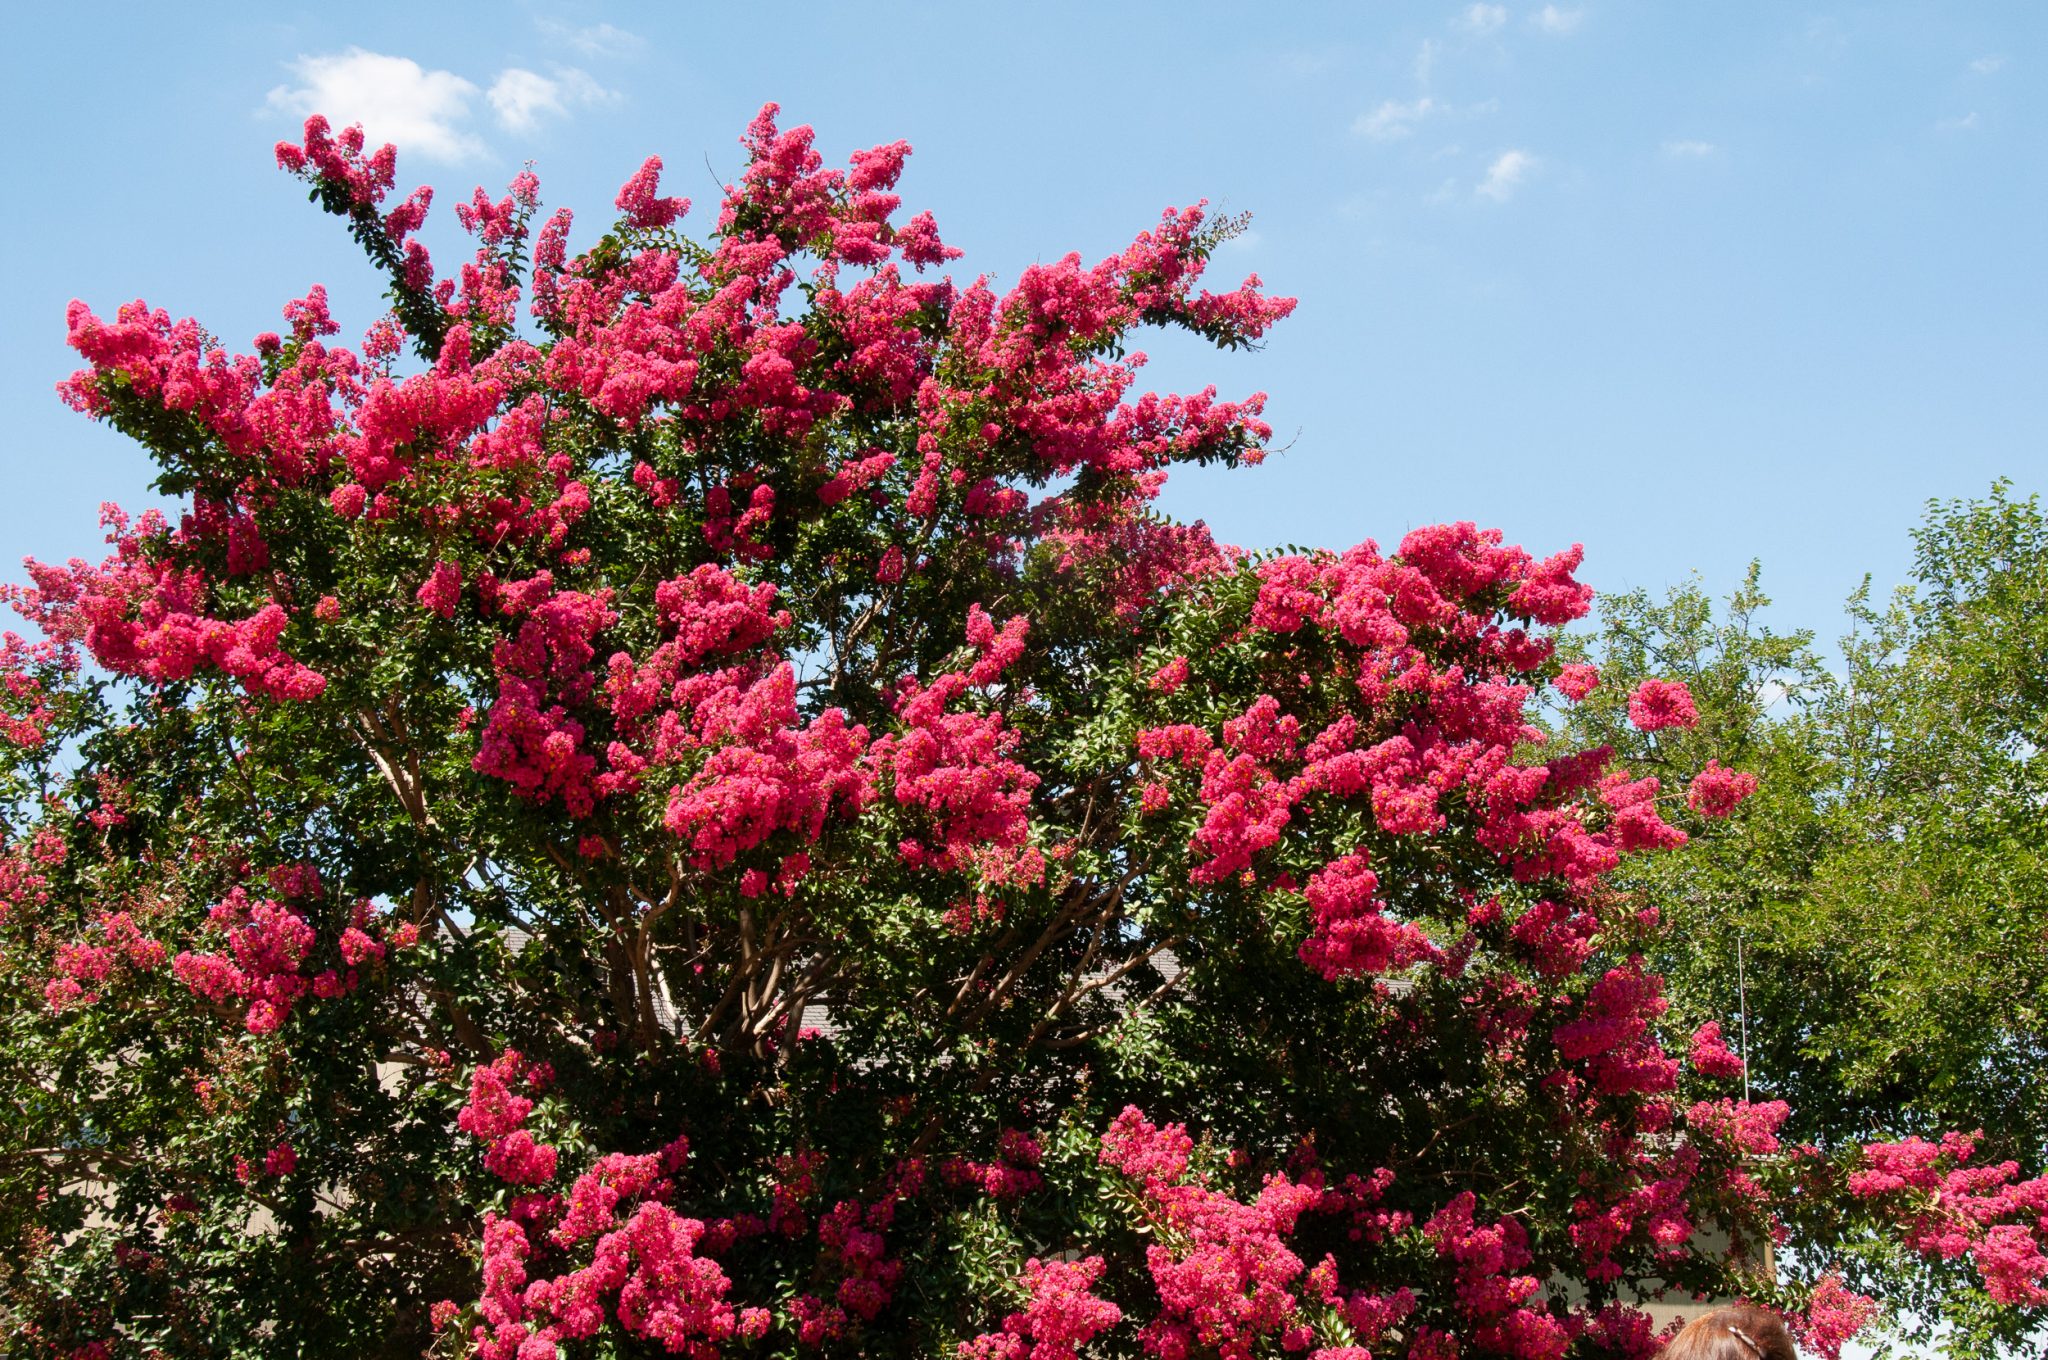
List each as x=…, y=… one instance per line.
x=1425, y=61
x=1963, y=124
x=598, y=41
x=1551, y=19
x=1688, y=149
x=522, y=98
x=1984, y=66
x=394, y=98
x=428, y=112
x=1505, y=175
x=1480, y=20
x=1393, y=120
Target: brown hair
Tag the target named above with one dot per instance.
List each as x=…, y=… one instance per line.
x=1735, y=1331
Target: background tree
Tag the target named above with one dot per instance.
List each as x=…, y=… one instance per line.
x=1884, y=895
x=727, y=822
x=1887, y=877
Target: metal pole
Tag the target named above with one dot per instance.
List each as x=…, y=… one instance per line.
x=1742, y=1003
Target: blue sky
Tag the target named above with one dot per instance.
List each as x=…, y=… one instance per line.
x=1690, y=284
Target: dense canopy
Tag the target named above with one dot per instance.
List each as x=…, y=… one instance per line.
x=706, y=811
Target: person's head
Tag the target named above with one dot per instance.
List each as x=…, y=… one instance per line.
x=1735, y=1331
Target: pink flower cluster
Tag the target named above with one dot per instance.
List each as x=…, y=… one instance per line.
x=1553, y=939
x=267, y=942
x=1950, y=1205
x=340, y=158
x=764, y=773
x=1749, y=1128
x=1658, y=704
x=25, y=701
x=957, y=767
x=1432, y=725
x=851, y=1237
x=1221, y=1267
x=649, y=1267
x=496, y=1116
x=1645, y=1201
x=1612, y=1035
x=1012, y=1175
x=1161, y=268
x=787, y=200
x=1576, y=680
x=442, y=589
x=1833, y=1315
x=281, y=1160
x=141, y=616
x=82, y=967
x=1351, y=937
x=529, y=740
x=1491, y=1295
x=1711, y=1056
x=1717, y=791
x=640, y=204
x=1062, y=1316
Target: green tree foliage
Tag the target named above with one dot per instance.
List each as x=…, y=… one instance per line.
x=1884, y=895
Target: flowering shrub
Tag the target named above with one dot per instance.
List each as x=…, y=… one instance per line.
x=708, y=812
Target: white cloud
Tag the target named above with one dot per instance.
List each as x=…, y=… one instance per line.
x=521, y=98
x=1962, y=124
x=1425, y=61
x=598, y=40
x=1505, y=175
x=1393, y=120
x=1688, y=149
x=1984, y=66
x=1551, y=19
x=1481, y=20
x=394, y=98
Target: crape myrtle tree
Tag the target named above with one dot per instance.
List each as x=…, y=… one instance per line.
x=705, y=812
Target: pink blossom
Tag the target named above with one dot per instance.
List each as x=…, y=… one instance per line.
x=1576, y=680
x=267, y=944
x=1717, y=791
x=1748, y=1128
x=1170, y=677
x=1351, y=935
x=442, y=590
x=1138, y=1148
x=1710, y=1056
x=1062, y=1316
x=1658, y=704
x=1834, y=1314
x=918, y=239
x=638, y=202
x=2010, y=1259
x=496, y=1115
